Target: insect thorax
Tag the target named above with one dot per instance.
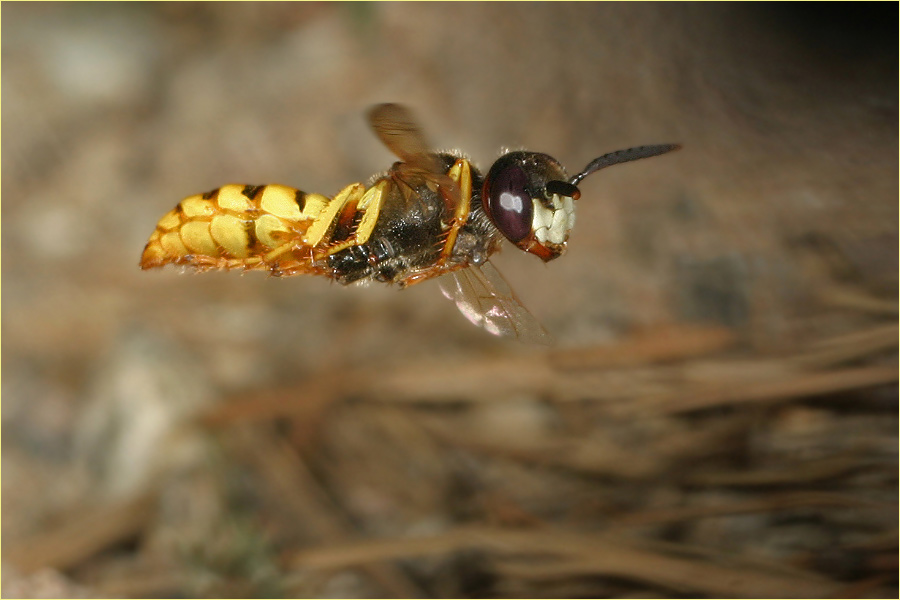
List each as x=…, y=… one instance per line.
x=410, y=234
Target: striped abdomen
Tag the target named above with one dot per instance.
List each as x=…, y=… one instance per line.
x=271, y=227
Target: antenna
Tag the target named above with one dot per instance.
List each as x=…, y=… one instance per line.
x=621, y=156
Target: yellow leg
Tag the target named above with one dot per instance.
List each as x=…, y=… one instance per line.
x=325, y=219
x=461, y=174
x=370, y=206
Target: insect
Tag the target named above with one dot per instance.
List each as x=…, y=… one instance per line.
x=431, y=214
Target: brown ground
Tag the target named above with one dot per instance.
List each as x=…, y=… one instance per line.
x=719, y=418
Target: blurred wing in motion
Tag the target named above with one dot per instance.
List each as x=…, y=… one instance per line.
x=485, y=298
x=397, y=129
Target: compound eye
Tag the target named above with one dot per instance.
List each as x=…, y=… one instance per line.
x=508, y=203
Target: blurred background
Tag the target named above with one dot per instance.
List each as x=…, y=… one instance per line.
x=718, y=417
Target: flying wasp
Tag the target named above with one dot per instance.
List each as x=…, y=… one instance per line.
x=431, y=214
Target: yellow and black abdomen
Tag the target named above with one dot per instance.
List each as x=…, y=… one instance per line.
x=273, y=227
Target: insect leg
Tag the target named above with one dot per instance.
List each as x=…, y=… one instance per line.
x=325, y=220
x=461, y=174
x=430, y=273
x=369, y=204
x=306, y=255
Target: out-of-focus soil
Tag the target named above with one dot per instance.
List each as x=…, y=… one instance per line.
x=717, y=418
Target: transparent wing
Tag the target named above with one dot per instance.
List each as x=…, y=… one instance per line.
x=485, y=298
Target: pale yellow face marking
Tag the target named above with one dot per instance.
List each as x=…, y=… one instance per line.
x=280, y=201
x=231, y=198
x=371, y=207
x=553, y=224
x=271, y=231
x=195, y=207
x=170, y=221
x=325, y=220
x=569, y=207
x=558, y=231
x=230, y=232
x=197, y=239
x=172, y=245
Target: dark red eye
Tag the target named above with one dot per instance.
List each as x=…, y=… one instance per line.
x=506, y=200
